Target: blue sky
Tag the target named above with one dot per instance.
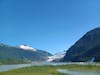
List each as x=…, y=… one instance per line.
x=51, y=25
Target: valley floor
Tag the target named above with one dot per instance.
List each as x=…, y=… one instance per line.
x=49, y=70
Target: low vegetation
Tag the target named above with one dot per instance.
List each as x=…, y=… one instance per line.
x=34, y=70
x=48, y=70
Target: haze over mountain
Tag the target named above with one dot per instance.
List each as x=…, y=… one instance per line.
x=56, y=57
x=21, y=54
x=85, y=48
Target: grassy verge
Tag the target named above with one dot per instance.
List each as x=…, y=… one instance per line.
x=48, y=70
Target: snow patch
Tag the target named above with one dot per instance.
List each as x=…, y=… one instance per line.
x=26, y=47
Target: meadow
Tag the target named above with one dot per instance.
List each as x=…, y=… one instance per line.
x=49, y=69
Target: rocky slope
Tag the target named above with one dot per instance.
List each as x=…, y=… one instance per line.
x=86, y=48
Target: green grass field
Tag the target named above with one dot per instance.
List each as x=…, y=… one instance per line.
x=48, y=70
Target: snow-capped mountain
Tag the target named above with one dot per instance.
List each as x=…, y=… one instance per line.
x=26, y=47
x=21, y=54
x=56, y=57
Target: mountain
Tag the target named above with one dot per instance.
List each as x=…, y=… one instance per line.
x=85, y=48
x=21, y=54
x=56, y=57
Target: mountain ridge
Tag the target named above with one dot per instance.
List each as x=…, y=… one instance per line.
x=13, y=54
x=85, y=45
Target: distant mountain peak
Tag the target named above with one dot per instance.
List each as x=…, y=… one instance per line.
x=27, y=47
